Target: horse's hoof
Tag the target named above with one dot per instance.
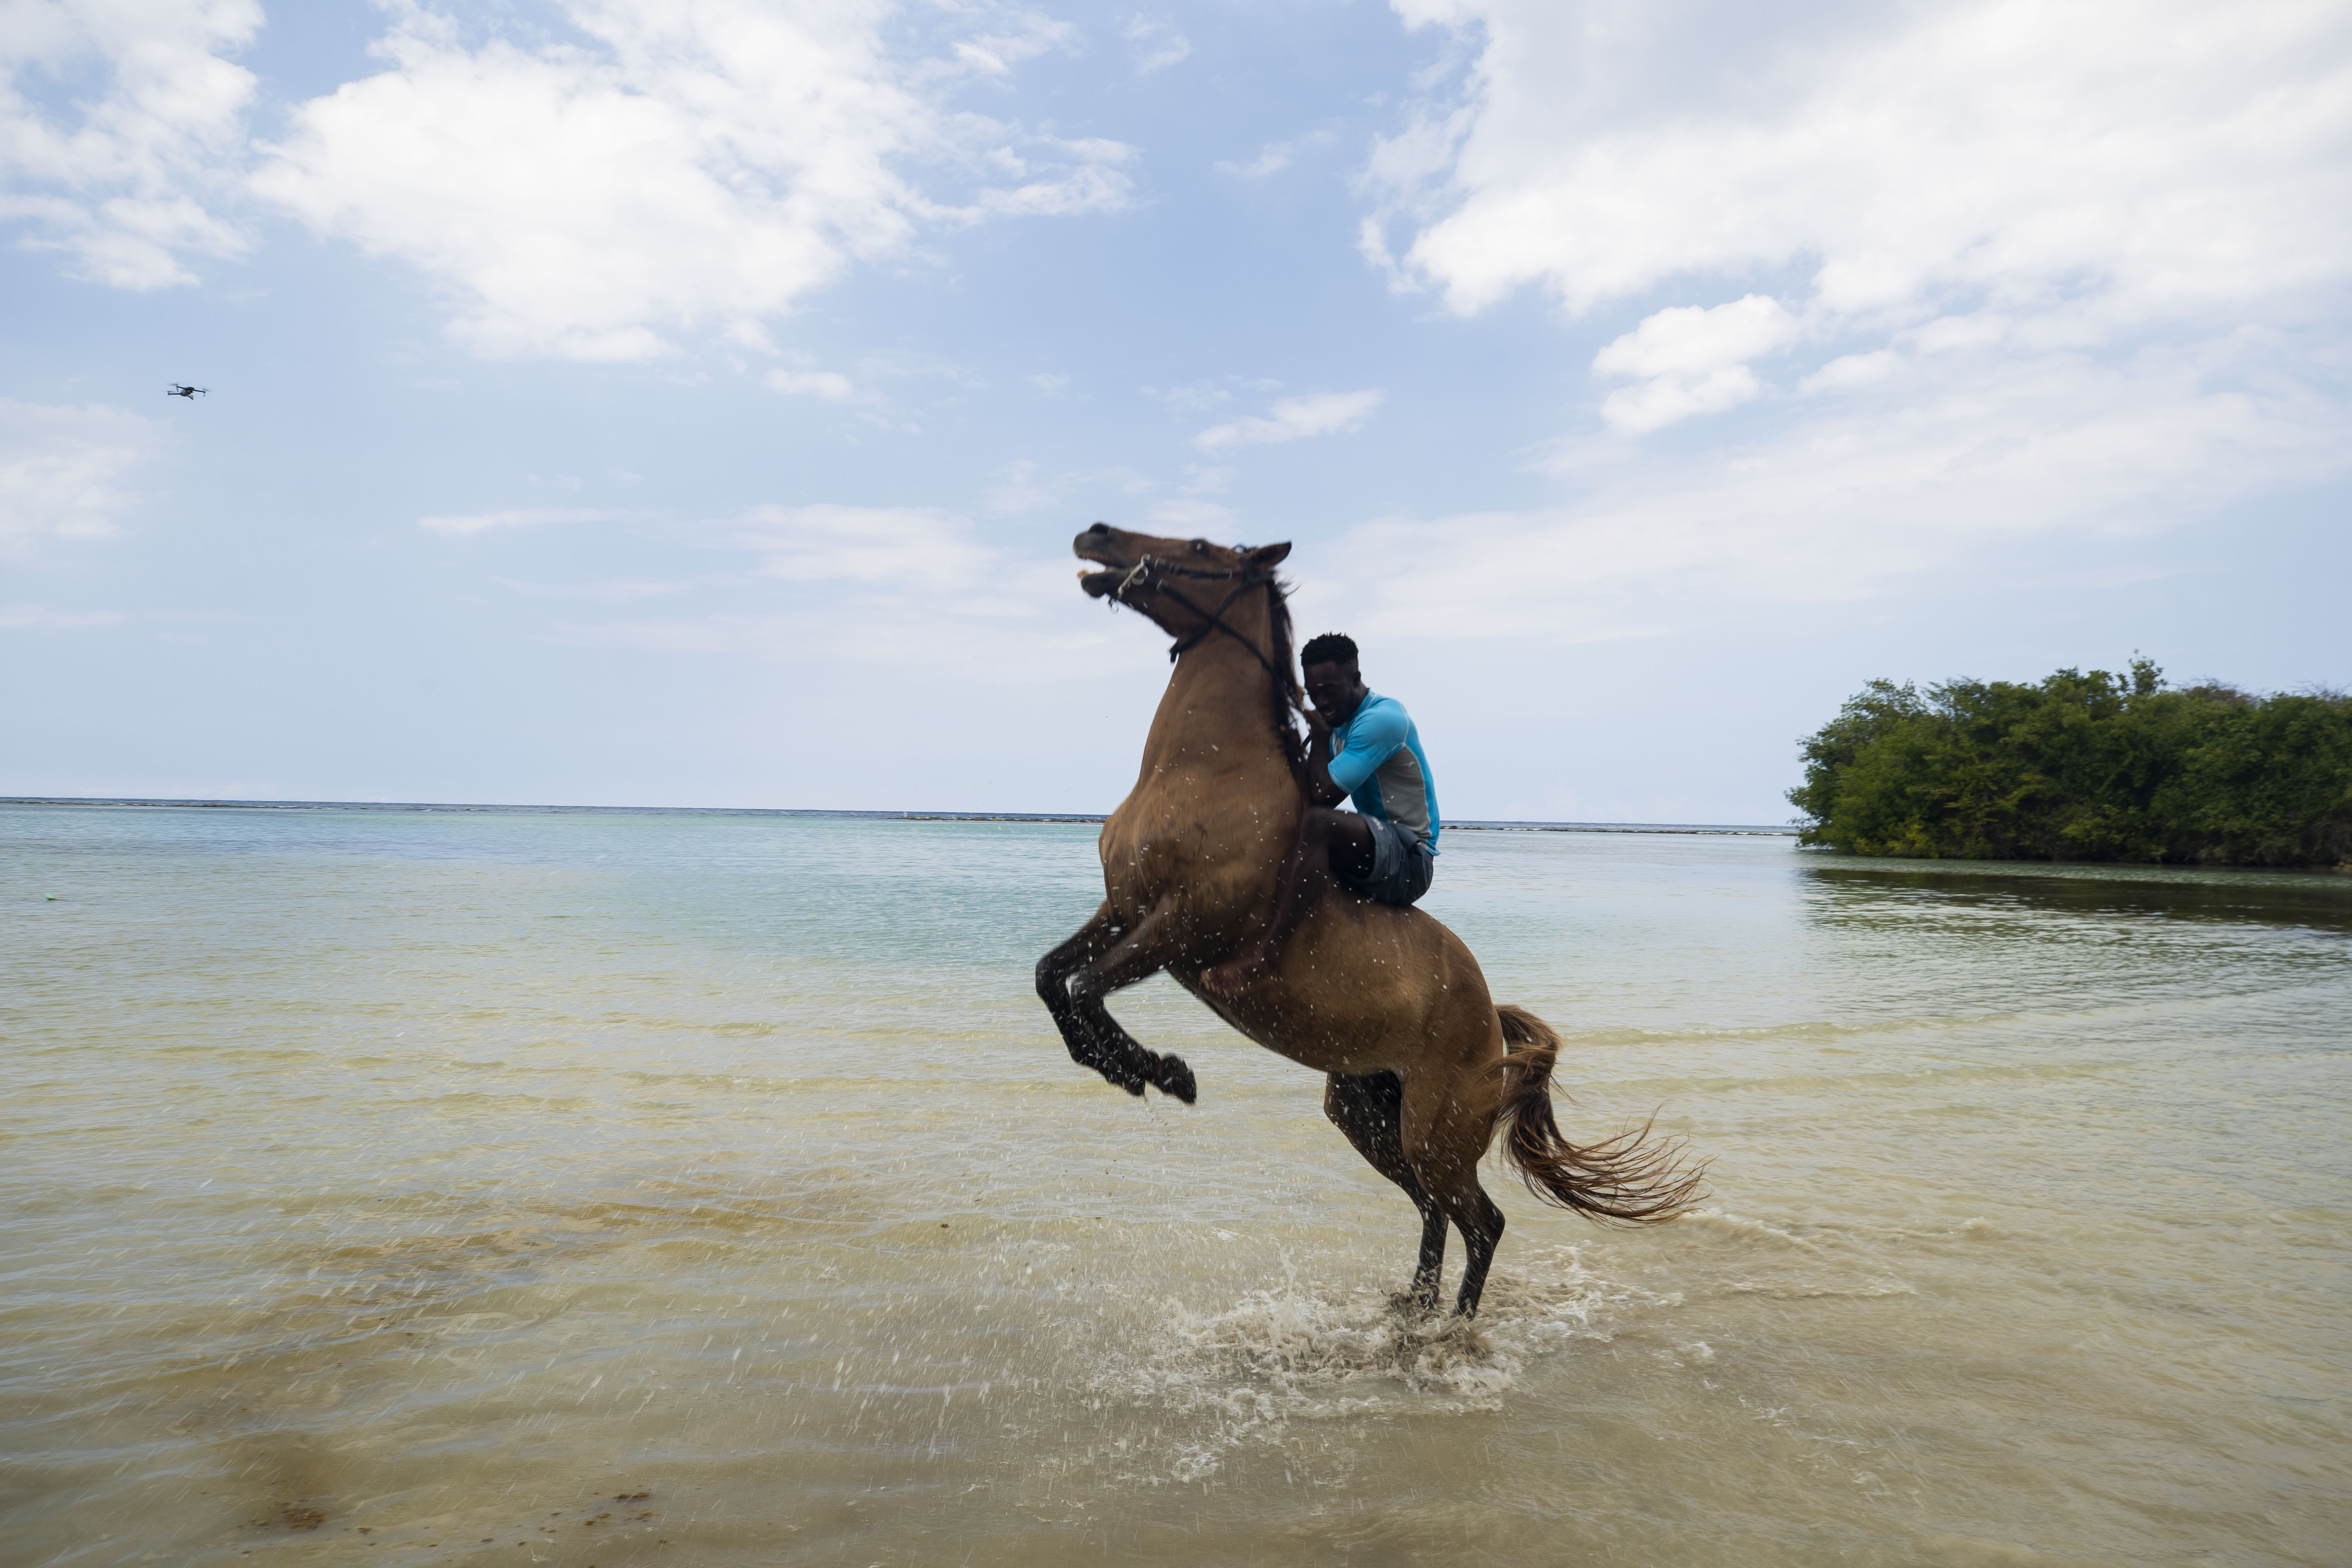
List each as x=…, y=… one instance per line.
x=1174, y=1078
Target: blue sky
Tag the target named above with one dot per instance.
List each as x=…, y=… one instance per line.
x=692, y=404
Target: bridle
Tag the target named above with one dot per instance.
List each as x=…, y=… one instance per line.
x=1151, y=572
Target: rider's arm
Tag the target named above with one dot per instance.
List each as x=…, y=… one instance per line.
x=1373, y=738
x=1320, y=789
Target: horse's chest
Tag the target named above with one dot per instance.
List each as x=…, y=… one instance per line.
x=1201, y=858
x=1150, y=859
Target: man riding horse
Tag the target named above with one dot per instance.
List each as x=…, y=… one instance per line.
x=1212, y=860
x=1361, y=744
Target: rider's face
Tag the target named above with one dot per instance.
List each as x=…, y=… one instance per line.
x=1334, y=689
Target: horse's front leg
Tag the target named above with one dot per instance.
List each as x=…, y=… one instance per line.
x=1053, y=971
x=1137, y=953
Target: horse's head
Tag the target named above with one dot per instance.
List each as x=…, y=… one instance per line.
x=1190, y=587
x=1172, y=580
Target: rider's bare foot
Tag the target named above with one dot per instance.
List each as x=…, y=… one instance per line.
x=1235, y=975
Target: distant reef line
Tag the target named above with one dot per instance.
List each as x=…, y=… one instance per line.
x=1733, y=829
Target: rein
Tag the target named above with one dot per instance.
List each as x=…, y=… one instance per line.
x=1150, y=570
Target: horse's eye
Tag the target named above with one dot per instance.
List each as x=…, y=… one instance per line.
x=1200, y=547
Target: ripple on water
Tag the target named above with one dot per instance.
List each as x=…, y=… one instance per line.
x=353, y=1202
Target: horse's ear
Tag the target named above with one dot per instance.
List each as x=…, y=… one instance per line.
x=1269, y=554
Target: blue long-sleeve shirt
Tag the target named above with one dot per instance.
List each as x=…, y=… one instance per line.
x=1376, y=757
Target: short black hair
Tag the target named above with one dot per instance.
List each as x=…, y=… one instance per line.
x=1332, y=647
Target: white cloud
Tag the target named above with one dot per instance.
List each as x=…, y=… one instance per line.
x=61, y=470
x=907, y=587
x=124, y=178
x=1689, y=341
x=1272, y=159
x=671, y=168
x=2148, y=160
x=1692, y=360
x=1154, y=44
x=1844, y=504
x=1192, y=515
x=528, y=517
x=602, y=593
x=1026, y=489
x=1016, y=36
x=2013, y=268
x=42, y=617
x=1276, y=156
x=829, y=385
x=951, y=640
x=1194, y=397
x=863, y=544
x=1848, y=371
x=1665, y=399
x=1293, y=418
x=1079, y=175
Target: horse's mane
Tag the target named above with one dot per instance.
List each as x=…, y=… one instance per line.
x=1285, y=693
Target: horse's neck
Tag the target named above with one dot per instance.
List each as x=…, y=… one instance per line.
x=1215, y=789
x=1218, y=704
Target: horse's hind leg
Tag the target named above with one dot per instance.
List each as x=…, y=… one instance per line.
x=1445, y=1124
x=1367, y=1109
x=1480, y=1220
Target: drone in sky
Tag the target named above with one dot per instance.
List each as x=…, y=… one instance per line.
x=190, y=393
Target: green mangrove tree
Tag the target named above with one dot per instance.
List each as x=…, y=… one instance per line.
x=2084, y=767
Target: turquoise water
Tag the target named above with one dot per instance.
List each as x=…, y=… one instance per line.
x=424, y=1187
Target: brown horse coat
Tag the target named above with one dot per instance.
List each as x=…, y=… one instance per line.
x=1423, y=1066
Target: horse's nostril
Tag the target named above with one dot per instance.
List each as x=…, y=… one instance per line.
x=1099, y=528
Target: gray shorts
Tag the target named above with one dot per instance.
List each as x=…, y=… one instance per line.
x=1401, y=866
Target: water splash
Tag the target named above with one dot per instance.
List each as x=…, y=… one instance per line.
x=1296, y=1352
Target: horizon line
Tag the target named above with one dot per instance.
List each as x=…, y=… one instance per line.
x=1473, y=825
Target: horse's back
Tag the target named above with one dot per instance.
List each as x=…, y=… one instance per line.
x=1371, y=987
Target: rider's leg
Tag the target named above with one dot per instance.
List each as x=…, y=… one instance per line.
x=1329, y=842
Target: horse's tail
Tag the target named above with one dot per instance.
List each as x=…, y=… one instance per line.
x=1631, y=1178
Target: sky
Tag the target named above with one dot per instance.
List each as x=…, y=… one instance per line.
x=692, y=404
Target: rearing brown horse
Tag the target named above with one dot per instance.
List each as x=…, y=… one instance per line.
x=1422, y=1067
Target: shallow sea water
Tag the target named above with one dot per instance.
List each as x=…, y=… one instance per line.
x=600, y=1189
